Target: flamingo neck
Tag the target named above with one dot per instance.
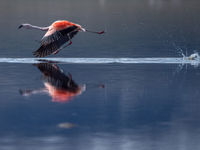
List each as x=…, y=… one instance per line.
x=29, y=26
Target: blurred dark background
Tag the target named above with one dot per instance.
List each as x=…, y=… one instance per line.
x=135, y=28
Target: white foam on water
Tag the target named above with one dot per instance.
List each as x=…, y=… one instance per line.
x=171, y=60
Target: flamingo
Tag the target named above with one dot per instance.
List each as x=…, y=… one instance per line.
x=58, y=33
x=61, y=87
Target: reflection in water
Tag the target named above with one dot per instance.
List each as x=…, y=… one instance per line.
x=146, y=107
x=58, y=85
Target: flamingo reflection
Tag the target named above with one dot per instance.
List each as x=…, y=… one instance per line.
x=59, y=86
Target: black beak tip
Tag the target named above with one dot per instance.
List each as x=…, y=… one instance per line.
x=20, y=26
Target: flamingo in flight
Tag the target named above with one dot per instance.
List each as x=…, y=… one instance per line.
x=58, y=33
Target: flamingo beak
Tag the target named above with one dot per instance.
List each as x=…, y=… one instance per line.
x=20, y=26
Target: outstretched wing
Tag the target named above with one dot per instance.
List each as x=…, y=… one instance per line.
x=53, y=42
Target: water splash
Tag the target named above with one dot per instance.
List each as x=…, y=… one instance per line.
x=194, y=56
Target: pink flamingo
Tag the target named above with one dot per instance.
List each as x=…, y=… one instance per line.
x=58, y=33
x=61, y=87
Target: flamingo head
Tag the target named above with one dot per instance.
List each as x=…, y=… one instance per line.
x=25, y=25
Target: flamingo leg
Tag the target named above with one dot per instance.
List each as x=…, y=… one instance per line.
x=56, y=51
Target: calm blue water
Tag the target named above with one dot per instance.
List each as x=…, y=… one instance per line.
x=123, y=106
